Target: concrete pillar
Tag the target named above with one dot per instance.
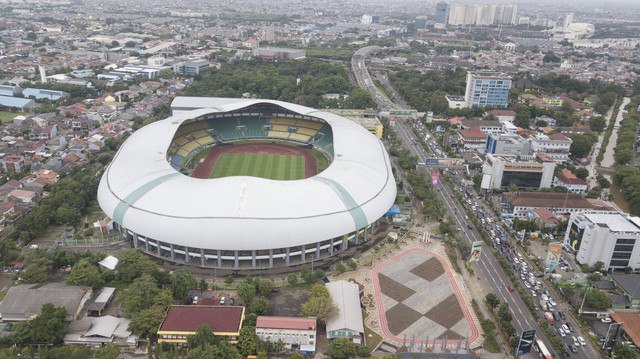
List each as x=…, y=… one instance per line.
x=356, y=236
x=345, y=244
x=286, y=258
x=173, y=252
x=219, y=258
x=203, y=259
x=304, y=254
x=366, y=230
x=270, y=258
x=235, y=259
x=253, y=258
x=187, y=256
x=317, y=250
x=331, y=246
x=135, y=240
x=158, y=249
x=146, y=244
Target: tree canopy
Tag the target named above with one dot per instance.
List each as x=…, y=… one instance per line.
x=133, y=264
x=320, y=304
x=46, y=328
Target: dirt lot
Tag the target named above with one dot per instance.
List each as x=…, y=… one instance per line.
x=288, y=302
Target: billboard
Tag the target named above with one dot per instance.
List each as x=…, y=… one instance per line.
x=435, y=177
x=612, y=336
x=554, y=252
x=526, y=342
x=476, y=250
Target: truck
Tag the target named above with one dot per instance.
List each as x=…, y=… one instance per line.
x=544, y=305
x=549, y=318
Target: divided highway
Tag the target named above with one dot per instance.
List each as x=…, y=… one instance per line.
x=488, y=270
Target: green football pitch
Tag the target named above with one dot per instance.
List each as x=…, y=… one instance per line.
x=277, y=167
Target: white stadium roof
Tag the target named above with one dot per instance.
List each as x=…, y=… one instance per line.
x=141, y=191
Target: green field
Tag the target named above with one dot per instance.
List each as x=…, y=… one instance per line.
x=276, y=167
x=8, y=116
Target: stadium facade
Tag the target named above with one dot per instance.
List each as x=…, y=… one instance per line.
x=243, y=222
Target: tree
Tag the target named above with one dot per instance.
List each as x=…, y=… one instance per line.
x=492, y=300
x=504, y=313
x=110, y=351
x=603, y=182
x=85, y=273
x=292, y=279
x=32, y=36
x=248, y=341
x=147, y=321
x=130, y=44
x=133, y=264
x=46, y=328
x=144, y=293
x=551, y=57
x=624, y=351
x=37, y=271
x=204, y=337
x=597, y=123
x=342, y=348
x=182, y=281
x=581, y=146
x=597, y=299
x=246, y=292
x=320, y=304
x=260, y=306
x=203, y=284
x=265, y=287
x=581, y=172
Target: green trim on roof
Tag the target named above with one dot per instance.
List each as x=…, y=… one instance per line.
x=123, y=206
x=359, y=218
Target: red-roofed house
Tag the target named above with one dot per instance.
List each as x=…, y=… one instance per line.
x=12, y=163
x=295, y=333
x=544, y=218
x=567, y=179
x=472, y=139
x=183, y=320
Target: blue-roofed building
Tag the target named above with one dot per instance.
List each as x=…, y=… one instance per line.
x=42, y=94
x=22, y=104
x=8, y=90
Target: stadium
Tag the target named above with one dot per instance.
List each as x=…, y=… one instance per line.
x=243, y=184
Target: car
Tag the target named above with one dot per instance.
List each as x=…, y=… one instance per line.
x=466, y=217
x=531, y=275
x=474, y=208
x=195, y=300
x=510, y=288
x=561, y=332
x=582, y=341
x=222, y=300
x=565, y=328
x=526, y=284
x=606, y=320
x=572, y=329
x=573, y=348
x=533, y=293
x=552, y=302
x=232, y=301
x=562, y=315
x=575, y=341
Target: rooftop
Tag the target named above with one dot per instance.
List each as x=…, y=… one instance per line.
x=346, y=297
x=631, y=324
x=187, y=318
x=27, y=299
x=616, y=221
x=547, y=200
x=630, y=283
x=286, y=323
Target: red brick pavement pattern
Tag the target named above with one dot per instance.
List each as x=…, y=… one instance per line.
x=203, y=170
x=458, y=295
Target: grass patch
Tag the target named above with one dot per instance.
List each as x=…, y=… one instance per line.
x=371, y=338
x=321, y=160
x=3, y=294
x=618, y=198
x=6, y=116
x=276, y=167
x=194, y=160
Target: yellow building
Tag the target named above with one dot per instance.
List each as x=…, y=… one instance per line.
x=182, y=321
x=364, y=118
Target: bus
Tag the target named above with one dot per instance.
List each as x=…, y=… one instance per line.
x=542, y=349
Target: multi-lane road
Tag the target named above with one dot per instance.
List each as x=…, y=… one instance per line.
x=488, y=270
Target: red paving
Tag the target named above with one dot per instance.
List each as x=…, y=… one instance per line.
x=452, y=282
x=203, y=170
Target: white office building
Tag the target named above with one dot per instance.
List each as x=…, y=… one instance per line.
x=520, y=171
x=609, y=238
x=487, y=88
x=295, y=333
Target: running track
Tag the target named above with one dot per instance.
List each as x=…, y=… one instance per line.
x=204, y=169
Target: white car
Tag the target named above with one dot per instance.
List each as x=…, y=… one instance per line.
x=222, y=300
x=533, y=293
x=575, y=341
x=566, y=329
x=582, y=341
x=526, y=284
x=552, y=302
x=561, y=332
x=606, y=320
